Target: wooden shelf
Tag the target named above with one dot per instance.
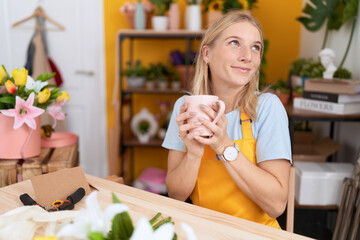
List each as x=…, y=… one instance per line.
x=133, y=142
x=168, y=34
x=152, y=91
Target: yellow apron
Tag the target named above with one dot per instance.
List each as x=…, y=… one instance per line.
x=216, y=190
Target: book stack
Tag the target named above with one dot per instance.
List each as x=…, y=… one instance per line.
x=335, y=96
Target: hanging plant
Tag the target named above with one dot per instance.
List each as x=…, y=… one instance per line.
x=336, y=12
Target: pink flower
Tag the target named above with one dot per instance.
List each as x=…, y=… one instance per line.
x=55, y=110
x=24, y=112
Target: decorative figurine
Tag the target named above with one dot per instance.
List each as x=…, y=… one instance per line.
x=327, y=57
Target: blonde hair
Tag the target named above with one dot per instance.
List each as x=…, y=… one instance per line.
x=201, y=84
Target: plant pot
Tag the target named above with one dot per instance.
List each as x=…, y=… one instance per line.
x=130, y=16
x=12, y=140
x=284, y=98
x=193, y=18
x=135, y=82
x=149, y=85
x=175, y=85
x=159, y=23
x=162, y=85
x=181, y=69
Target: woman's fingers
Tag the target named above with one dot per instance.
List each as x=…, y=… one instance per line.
x=185, y=128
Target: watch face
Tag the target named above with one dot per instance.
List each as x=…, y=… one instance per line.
x=230, y=153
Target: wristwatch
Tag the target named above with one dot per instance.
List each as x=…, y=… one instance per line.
x=230, y=153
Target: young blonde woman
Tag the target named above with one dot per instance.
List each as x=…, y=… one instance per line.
x=243, y=169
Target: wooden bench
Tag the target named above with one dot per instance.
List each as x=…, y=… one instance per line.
x=49, y=160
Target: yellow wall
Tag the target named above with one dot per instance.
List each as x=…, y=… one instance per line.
x=277, y=18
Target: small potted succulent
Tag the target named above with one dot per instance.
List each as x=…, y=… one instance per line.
x=135, y=75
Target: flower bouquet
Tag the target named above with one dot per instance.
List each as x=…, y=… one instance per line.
x=115, y=223
x=22, y=101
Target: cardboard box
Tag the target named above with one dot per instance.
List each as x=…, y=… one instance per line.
x=317, y=152
x=320, y=184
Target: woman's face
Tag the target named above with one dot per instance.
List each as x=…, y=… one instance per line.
x=235, y=57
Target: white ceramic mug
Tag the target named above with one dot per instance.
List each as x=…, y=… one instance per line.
x=194, y=103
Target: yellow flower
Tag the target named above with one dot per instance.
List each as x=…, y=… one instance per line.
x=244, y=4
x=64, y=95
x=10, y=87
x=45, y=238
x=216, y=5
x=43, y=96
x=20, y=77
x=2, y=73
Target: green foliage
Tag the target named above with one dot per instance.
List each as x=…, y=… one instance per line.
x=331, y=10
x=135, y=71
x=280, y=87
x=162, y=6
x=342, y=73
x=312, y=69
x=144, y=126
x=297, y=66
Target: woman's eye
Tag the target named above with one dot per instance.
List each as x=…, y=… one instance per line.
x=234, y=42
x=256, y=48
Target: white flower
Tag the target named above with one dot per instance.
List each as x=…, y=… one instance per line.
x=144, y=231
x=92, y=219
x=34, y=85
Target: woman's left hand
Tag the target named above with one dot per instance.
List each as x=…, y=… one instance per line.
x=220, y=139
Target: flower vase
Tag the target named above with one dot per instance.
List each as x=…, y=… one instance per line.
x=174, y=16
x=185, y=80
x=193, y=18
x=130, y=18
x=213, y=16
x=12, y=140
x=140, y=20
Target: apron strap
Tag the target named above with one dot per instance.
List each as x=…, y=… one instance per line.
x=245, y=122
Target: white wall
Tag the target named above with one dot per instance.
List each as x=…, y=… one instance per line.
x=346, y=133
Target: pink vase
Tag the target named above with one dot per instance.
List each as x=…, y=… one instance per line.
x=174, y=16
x=12, y=141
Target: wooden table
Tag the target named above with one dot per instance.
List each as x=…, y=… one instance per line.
x=206, y=223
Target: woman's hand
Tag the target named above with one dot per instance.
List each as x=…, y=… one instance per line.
x=220, y=139
x=194, y=148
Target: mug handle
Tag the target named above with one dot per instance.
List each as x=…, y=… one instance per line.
x=221, y=110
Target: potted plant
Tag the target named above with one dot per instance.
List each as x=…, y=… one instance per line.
x=159, y=20
x=184, y=65
x=135, y=75
x=216, y=8
x=193, y=16
x=281, y=91
x=22, y=101
x=175, y=81
x=150, y=77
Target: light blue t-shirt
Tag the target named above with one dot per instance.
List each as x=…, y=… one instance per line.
x=270, y=130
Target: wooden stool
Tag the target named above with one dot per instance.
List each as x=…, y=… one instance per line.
x=7, y=172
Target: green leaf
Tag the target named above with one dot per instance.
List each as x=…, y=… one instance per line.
x=8, y=99
x=114, y=198
x=350, y=9
x=96, y=236
x=316, y=14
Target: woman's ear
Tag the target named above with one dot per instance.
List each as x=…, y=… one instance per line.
x=205, y=54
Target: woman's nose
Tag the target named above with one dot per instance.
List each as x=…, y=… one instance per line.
x=244, y=54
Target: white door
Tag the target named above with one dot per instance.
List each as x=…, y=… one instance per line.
x=78, y=53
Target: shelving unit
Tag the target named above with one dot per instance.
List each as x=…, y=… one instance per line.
x=127, y=140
